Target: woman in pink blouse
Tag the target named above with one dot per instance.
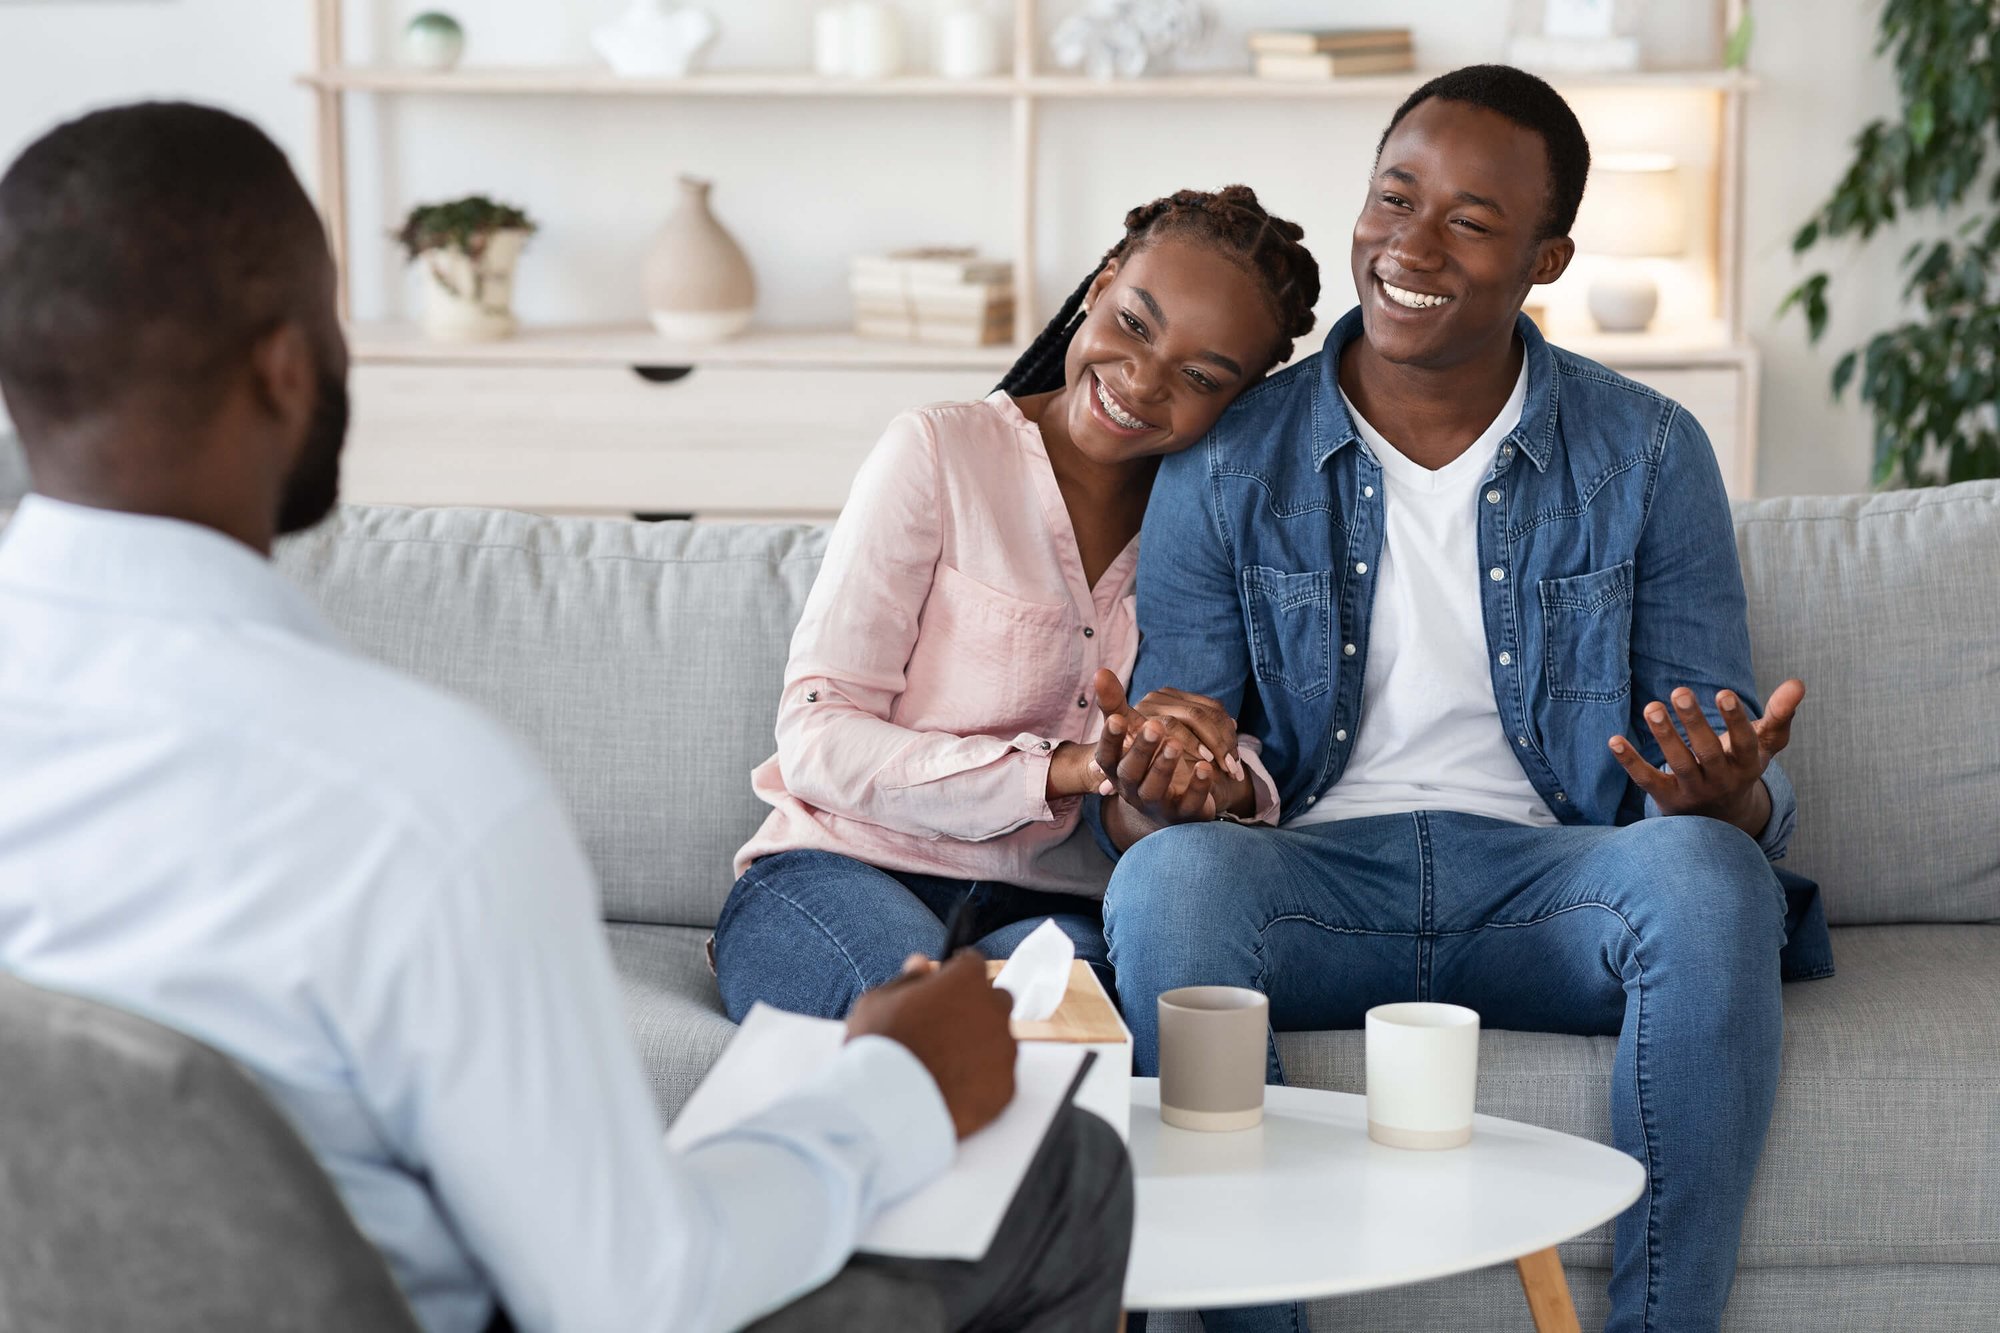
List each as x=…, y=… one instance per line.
x=935, y=734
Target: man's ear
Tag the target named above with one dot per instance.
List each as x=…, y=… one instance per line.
x=1552, y=260
x=284, y=377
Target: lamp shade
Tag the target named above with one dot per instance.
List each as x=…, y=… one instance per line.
x=1634, y=207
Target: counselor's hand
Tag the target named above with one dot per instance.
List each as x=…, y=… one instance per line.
x=1706, y=774
x=954, y=1021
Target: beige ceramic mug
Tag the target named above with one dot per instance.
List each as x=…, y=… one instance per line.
x=1212, y=1055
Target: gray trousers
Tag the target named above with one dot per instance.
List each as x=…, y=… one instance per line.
x=1056, y=1266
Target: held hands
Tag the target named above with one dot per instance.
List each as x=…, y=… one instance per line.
x=1705, y=774
x=1172, y=759
x=955, y=1022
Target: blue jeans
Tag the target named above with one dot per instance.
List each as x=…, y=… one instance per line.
x=809, y=931
x=1665, y=933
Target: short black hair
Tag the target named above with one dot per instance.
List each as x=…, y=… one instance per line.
x=147, y=246
x=1531, y=104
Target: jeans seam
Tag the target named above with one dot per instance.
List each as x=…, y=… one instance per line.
x=764, y=886
x=1426, y=906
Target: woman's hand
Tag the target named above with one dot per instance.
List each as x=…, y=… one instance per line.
x=1073, y=771
x=1172, y=759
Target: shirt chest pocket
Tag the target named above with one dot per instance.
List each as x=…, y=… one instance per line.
x=1291, y=628
x=987, y=662
x=1587, y=634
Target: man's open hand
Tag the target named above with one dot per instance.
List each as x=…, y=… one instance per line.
x=1706, y=774
x=954, y=1021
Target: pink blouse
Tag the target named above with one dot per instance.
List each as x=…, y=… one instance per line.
x=945, y=651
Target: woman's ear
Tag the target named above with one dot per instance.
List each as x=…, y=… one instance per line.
x=1103, y=280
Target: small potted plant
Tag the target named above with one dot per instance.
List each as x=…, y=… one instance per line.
x=468, y=249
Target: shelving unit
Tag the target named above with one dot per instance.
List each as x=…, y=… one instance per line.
x=1675, y=359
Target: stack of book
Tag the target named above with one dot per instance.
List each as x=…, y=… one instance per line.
x=933, y=296
x=1331, y=53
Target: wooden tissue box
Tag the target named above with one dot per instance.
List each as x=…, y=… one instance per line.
x=1087, y=1018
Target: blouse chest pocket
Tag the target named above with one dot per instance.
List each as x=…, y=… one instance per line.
x=1587, y=634
x=1291, y=628
x=987, y=662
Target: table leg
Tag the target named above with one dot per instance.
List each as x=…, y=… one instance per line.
x=1547, y=1291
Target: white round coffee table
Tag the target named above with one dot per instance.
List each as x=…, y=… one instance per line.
x=1307, y=1206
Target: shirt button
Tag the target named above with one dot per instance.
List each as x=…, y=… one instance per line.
x=1368, y=492
x=1496, y=573
x=1044, y=745
x=1506, y=659
x=1562, y=798
x=1340, y=735
x=1089, y=633
x=1521, y=741
x=1347, y=651
x=1493, y=497
x=1082, y=701
x=1361, y=567
x=812, y=696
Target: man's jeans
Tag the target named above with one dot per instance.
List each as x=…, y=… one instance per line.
x=1665, y=932
x=809, y=931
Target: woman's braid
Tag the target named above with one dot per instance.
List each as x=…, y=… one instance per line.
x=1232, y=220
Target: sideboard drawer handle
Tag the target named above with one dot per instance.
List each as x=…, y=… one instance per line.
x=662, y=374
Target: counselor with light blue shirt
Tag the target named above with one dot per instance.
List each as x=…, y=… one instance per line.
x=1474, y=602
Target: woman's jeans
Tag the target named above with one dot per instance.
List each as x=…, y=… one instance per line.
x=1665, y=933
x=809, y=931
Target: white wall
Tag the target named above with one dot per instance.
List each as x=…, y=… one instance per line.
x=804, y=185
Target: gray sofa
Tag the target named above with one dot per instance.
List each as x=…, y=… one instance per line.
x=643, y=662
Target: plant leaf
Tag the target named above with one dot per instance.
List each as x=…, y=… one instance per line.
x=1736, y=51
x=1844, y=372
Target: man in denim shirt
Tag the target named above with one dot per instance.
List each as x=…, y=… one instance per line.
x=1476, y=606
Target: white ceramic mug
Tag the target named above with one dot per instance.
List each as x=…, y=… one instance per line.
x=1423, y=1065
x=874, y=40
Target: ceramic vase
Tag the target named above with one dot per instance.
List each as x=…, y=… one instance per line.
x=467, y=299
x=699, y=287
x=652, y=40
x=433, y=40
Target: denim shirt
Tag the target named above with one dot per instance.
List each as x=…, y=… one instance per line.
x=1608, y=577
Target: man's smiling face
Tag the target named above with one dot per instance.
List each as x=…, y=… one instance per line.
x=1450, y=238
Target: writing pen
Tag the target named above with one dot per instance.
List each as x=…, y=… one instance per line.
x=965, y=926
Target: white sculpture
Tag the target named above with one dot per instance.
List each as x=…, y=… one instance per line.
x=1123, y=39
x=652, y=41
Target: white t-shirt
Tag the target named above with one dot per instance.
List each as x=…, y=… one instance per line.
x=1430, y=736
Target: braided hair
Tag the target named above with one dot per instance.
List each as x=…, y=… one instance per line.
x=1229, y=219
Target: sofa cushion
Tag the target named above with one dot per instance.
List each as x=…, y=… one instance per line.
x=1885, y=1144
x=1884, y=606
x=671, y=1006
x=641, y=661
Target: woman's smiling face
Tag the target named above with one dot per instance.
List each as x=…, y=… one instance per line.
x=1174, y=332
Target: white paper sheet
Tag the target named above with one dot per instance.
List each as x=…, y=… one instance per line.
x=775, y=1054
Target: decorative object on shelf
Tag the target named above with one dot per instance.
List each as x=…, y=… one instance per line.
x=968, y=41
x=1634, y=209
x=830, y=41
x=1331, y=53
x=874, y=34
x=1930, y=381
x=699, y=287
x=1123, y=39
x=938, y=294
x=1575, y=36
x=468, y=249
x=433, y=40
x=653, y=40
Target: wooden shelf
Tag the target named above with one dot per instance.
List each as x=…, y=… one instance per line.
x=638, y=345
x=593, y=82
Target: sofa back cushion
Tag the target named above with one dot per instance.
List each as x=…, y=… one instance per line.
x=1886, y=606
x=641, y=660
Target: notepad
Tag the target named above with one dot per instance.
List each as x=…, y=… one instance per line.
x=776, y=1054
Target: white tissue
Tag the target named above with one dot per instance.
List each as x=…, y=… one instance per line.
x=1037, y=976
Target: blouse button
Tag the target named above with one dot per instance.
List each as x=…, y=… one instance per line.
x=1089, y=633
x=1082, y=702
x=812, y=696
x=1044, y=745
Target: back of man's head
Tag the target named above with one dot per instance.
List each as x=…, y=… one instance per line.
x=144, y=252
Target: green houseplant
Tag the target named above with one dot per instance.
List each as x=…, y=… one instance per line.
x=1930, y=382
x=468, y=249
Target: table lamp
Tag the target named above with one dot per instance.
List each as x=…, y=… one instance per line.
x=1634, y=208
